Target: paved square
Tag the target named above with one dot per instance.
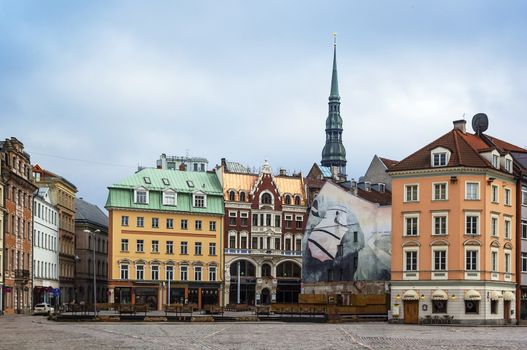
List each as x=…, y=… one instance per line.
x=32, y=332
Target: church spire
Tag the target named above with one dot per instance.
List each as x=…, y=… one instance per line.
x=334, y=153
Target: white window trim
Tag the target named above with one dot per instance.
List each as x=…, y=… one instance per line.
x=492, y=155
x=299, y=218
x=507, y=270
x=439, y=150
x=478, y=260
x=405, y=193
x=470, y=213
x=121, y=270
x=406, y=272
x=147, y=195
x=509, y=201
x=233, y=213
x=497, y=233
x=466, y=190
x=445, y=271
x=244, y=214
x=497, y=194
x=405, y=227
x=433, y=190
x=494, y=273
x=439, y=214
x=288, y=217
x=505, y=221
x=261, y=195
x=233, y=234
x=169, y=192
x=194, y=199
x=505, y=159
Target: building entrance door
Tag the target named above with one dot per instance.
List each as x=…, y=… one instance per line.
x=266, y=296
x=507, y=311
x=411, y=311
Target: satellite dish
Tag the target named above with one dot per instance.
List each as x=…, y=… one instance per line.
x=480, y=123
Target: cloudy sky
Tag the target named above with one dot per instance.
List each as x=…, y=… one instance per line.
x=95, y=88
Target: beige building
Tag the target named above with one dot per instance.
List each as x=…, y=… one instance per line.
x=62, y=194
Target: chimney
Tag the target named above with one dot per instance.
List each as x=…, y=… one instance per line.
x=461, y=125
x=335, y=172
x=283, y=172
x=182, y=167
x=353, y=187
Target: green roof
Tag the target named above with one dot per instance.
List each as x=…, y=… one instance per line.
x=185, y=183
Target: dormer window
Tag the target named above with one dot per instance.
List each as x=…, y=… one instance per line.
x=382, y=187
x=496, y=161
x=287, y=199
x=297, y=200
x=508, y=163
x=141, y=196
x=440, y=157
x=266, y=198
x=231, y=196
x=169, y=198
x=200, y=200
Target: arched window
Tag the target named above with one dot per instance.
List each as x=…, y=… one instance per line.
x=246, y=269
x=288, y=269
x=266, y=198
x=231, y=195
x=297, y=200
x=242, y=196
x=266, y=270
x=288, y=199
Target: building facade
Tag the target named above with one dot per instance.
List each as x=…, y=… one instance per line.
x=91, y=239
x=2, y=211
x=264, y=225
x=165, y=228
x=62, y=195
x=45, y=249
x=16, y=174
x=182, y=163
x=454, y=231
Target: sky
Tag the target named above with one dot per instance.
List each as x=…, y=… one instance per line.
x=95, y=88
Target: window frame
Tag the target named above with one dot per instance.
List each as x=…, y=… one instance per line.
x=477, y=215
x=477, y=185
x=137, y=196
x=436, y=215
x=170, y=198
x=405, y=224
x=434, y=192
x=411, y=199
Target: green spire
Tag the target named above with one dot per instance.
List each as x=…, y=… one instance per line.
x=334, y=78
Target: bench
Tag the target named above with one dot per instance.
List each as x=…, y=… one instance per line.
x=173, y=308
x=105, y=307
x=213, y=309
x=126, y=309
x=141, y=308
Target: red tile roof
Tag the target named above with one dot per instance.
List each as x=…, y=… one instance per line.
x=388, y=162
x=382, y=198
x=505, y=146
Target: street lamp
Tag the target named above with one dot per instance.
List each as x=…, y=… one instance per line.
x=93, y=234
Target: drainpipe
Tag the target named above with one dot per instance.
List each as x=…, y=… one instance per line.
x=518, y=245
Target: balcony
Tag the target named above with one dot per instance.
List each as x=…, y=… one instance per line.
x=273, y=252
x=21, y=274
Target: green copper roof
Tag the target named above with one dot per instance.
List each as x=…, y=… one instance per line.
x=334, y=94
x=184, y=183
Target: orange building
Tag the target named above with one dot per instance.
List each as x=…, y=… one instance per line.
x=454, y=231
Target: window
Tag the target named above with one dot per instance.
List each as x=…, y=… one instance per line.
x=170, y=223
x=141, y=196
x=197, y=273
x=439, y=306
x=411, y=193
x=169, y=273
x=124, y=220
x=524, y=229
x=355, y=236
x=184, y=224
x=139, y=272
x=494, y=226
x=495, y=194
x=255, y=242
x=440, y=260
x=496, y=161
x=298, y=244
x=232, y=241
x=507, y=196
x=212, y=248
x=155, y=272
x=508, y=165
x=472, y=191
x=231, y=196
x=183, y=273
x=440, y=159
x=255, y=219
x=212, y=225
x=242, y=196
x=124, y=272
x=472, y=306
x=440, y=224
x=140, y=221
x=199, y=200
x=243, y=242
x=288, y=221
x=508, y=228
x=494, y=261
x=165, y=181
x=140, y=245
x=266, y=198
x=298, y=221
x=232, y=218
x=184, y=248
x=155, y=246
x=170, y=247
x=507, y=262
x=524, y=195
x=197, y=248
x=411, y=225
x=190, y=183
x=212, y=273
x=244, y=219
x=297, y=200
x=124, y=245
x=288, y=199
x=472, y=224
x=524, y=262
x=440, y=191
x=493, y=306
x=471, y=259
x=155, y=222
x=197, y=225
x=169, y=198
x=147, y=180
x=411, y=260
x=268, y=218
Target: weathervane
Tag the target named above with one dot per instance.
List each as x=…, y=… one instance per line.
x=334, y=38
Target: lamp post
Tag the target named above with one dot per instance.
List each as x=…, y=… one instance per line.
x=93, y=234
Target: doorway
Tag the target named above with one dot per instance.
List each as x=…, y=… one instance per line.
x=507, y=311
x=266, y=296
x=411, y=311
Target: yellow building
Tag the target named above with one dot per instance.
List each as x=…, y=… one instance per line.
x=165, y=230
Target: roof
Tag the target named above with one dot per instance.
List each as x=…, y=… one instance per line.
x=381, y=198
x=179, y=181
x=236, y=167
x=505, y=146
x=51, y=175
x=239, y=181
x=290, y=184
x=90, y=213
x=463, y=147
x=388, y=162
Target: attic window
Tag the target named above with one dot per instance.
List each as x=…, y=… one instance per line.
x=190, y=183
x=496, y=161
x=382, y=187
x=440, y=159
x=166, y=182
x=147, y=180
x=508, y=165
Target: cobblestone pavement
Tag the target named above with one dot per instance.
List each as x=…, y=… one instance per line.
x=32, y=332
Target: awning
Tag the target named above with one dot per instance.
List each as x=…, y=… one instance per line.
x=410, y=295
x=439, y=294
x=472, y=295
x=508, y=296
x=495, y=295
